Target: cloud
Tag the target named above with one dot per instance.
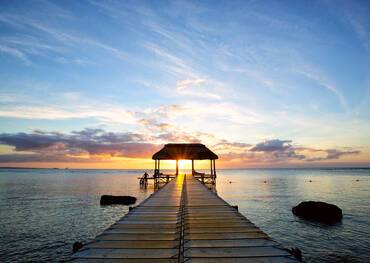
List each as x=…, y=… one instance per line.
x=186, y=83
x=66, y=39
x=103, y=112
x=332, y=154
x=154, y=126
x=98, y=145
x=322, y=81
x=15, y=53
x=272, y=145
x=283, y=151
x=77, y=145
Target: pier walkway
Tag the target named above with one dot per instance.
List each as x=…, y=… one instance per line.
x=183, y=222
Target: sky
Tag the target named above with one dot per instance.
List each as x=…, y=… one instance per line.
x=104, y=84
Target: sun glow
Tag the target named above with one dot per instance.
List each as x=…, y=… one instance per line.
x=184, y=164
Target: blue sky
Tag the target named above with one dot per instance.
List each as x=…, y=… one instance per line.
x=230, y=74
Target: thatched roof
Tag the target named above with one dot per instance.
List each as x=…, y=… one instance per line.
x=184, y=151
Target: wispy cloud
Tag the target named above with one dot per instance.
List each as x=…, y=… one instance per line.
x=188, y=83
x=322, y=81
x=14, y=52
x=355, y=16
x=108, y=113
x=68, y=40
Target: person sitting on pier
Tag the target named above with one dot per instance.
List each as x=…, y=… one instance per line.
x=144, y=178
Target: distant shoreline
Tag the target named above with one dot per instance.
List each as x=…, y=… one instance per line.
x=242, y=168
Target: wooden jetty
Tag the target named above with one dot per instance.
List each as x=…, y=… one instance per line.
x=183, y=222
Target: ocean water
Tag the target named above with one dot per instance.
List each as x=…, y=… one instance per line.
x=43, y=212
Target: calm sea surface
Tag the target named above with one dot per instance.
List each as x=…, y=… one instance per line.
x=43, y=212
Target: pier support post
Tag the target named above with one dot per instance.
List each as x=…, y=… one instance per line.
x=214, y=172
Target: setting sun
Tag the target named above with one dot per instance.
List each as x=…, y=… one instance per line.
x=184, y=164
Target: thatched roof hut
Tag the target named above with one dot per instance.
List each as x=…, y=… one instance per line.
x=185, y=151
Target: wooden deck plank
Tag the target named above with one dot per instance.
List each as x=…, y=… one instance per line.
x=126, y=260
x=252, y=242
x=124, y=253
x=244, y=260
x=133, y=237
x=133, y=244
x=236, y=252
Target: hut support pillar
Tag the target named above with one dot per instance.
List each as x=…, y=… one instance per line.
x=177, y=167
x=214, y=172
x=192, y=167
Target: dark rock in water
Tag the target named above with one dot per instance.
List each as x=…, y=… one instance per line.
x=318, y=211
x=296, y=252
x=114, y=200
x=77, y=246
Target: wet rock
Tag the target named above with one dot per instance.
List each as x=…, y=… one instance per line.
x=77, y=246
x=115, y=200
x=318, y=211
x=295, y=252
